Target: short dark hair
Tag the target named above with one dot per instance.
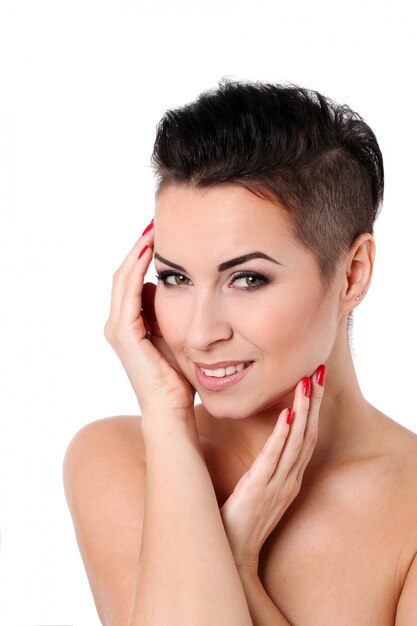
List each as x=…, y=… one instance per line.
x=316, y=158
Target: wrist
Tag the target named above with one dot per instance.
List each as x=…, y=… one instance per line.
x=248, y=570
x=160, y=420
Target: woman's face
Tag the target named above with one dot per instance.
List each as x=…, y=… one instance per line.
x=279, y=318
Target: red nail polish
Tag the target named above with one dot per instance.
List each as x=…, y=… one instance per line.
x=143, y=251
x=147, y=229
x=306, y=386
x=321, y=375
x=290, y=415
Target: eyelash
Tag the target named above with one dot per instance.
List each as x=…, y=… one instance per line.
x=162, y=276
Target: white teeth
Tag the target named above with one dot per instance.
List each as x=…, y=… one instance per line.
x=219, y=373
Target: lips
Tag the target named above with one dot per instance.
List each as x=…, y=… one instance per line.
x=214, y=366
x=219, y=384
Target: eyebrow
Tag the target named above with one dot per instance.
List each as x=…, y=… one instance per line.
x=223, y=266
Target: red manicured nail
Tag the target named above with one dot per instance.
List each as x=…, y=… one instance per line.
x=147, y=229
x=306, y=386
x=321, y=375
x=290, y=415
x=143, y=251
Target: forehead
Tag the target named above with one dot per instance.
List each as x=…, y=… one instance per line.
x=227, y=211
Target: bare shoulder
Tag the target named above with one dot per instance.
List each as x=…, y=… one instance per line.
x=104, y=482
x=115, y=439
x=400, y=481
x=397, y=476
x=399, y=442
x=394, y=448
x=112, y=443
x=104, y=473
x=102, y=451
x=108, y=436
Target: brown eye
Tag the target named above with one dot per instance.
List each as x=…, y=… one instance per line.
x=172, y=279
x=179, y=278
x=250, y=281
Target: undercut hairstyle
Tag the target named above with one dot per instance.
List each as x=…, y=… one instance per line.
x=317, y=159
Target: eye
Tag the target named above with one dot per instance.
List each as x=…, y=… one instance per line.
x=250, y=279
x=163, y=276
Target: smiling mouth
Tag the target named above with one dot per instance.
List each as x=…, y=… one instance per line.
x=221, y=372
x=223, y=378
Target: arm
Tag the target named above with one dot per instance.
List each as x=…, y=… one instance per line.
x=263, y=611
x=265, y=492
x=186, y=573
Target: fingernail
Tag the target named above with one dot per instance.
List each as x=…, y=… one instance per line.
x=306, y=386
x=147, y=229
x=321, y=375
x=143, y=251
x=289, y=416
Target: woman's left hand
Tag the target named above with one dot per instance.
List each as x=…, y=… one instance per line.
x=264, y=493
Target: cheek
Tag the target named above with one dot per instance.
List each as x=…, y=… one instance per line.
x=280, y=334
x=296, y=336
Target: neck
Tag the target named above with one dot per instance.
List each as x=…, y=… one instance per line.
x=343, y=418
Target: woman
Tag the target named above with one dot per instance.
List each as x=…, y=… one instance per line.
x=284, y=497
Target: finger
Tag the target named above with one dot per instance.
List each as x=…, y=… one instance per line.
x=312, y=426
x=265, y=463
x=295, y=439
x=130, y=308
x=131, y=257
x=122, y=274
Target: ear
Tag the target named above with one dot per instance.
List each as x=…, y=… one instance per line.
x=358, y=272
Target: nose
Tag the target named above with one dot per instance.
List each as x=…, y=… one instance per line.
x=209, y=322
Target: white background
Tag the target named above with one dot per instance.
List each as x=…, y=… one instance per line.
x=83, y=85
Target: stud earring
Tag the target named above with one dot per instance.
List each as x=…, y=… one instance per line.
x=358, y=296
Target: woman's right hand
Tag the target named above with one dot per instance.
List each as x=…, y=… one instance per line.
x=154, y=374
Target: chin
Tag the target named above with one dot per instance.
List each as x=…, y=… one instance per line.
x=219, y=410
x=220, y=407
x=236, y=406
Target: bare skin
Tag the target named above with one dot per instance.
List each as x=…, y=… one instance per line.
x=344, y=548
x=341, y=553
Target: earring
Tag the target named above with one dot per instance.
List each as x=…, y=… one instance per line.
x=358, y=297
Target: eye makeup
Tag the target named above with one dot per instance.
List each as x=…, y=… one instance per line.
x=164, y=275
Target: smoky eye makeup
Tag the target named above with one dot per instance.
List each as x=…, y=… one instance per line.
x=251, y=281
x=164, y=275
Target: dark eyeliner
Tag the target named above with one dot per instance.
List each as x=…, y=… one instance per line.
x=253, y=275
x=162, y=276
